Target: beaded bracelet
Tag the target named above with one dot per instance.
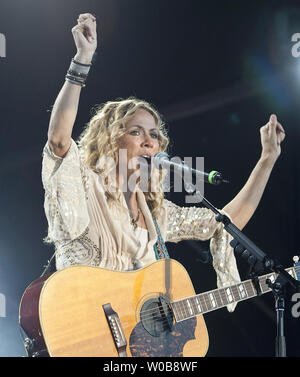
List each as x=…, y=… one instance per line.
x=78, y=72
x=83, y=64
x=73, y=80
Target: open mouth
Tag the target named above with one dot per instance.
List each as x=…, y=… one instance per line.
x=146, y=158
x=145, y=164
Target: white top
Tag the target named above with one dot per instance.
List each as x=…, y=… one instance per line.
x=86, y=230
x=142, y=236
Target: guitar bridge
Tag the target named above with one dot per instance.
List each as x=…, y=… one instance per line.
x=116, y=329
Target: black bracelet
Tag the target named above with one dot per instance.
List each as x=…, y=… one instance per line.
x=76, y=78
x=84, y=65
x=74, y=81
x=77, y=74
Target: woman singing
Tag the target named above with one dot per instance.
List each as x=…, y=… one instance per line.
x=97, y=220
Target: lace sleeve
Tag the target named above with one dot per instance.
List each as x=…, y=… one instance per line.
x=224, y=261
x=189, y=223
x=186, y=223
x=65, y=186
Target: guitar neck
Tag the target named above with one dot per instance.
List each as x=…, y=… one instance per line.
x=219, y=298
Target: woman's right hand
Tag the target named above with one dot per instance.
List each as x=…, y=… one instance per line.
x=85, y=36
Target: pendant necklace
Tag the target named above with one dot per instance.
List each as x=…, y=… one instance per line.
x=134, y=221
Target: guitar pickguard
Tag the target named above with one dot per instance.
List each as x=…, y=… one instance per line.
x=168, y=344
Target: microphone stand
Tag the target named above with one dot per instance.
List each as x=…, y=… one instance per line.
x=256, y=258
x=259, y=262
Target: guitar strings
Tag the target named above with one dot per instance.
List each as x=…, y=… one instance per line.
x=203, y=300
x=222, y=295
x=183, y=309
x=201, y=297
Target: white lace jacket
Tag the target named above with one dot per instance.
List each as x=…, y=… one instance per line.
x=85, y=230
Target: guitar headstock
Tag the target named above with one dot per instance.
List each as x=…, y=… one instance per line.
x=296, y=260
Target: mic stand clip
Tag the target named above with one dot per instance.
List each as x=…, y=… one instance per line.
x=254, y=277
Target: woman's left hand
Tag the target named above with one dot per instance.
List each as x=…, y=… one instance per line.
x=244, y=204
x=272, y=135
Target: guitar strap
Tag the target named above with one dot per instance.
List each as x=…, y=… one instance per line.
x=160, y=248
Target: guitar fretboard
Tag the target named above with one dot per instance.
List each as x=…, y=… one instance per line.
x=218, y=298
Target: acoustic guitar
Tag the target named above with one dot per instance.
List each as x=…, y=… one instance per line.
x=90, y=311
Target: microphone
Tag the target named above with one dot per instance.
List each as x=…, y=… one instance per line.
x=161, y=160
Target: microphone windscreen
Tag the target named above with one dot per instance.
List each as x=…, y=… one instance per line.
x=159, y=158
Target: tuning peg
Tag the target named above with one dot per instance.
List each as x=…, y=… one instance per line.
x=296, y=259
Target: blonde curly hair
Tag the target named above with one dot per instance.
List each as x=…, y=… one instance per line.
x=100, y=139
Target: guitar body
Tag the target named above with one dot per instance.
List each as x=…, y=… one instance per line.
x=71, y=320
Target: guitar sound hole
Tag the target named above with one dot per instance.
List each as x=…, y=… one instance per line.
x=156, y=317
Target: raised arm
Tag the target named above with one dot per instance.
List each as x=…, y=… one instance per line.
x=66, y=104
x=243, y=206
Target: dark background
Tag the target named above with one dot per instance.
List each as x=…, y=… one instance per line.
x=216, y=70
